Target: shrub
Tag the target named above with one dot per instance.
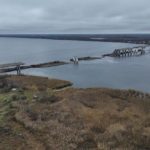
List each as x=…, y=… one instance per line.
x=32, y=115
x=32, y=87
x=49, y=99
x=15, y=97
x=49, y=91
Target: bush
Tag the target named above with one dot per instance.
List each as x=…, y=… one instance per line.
x=33, y=115
x=23, y=97
x=15, y=97
x=49, y=99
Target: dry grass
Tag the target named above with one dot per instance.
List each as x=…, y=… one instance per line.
x=80, y=119
x=40, y=83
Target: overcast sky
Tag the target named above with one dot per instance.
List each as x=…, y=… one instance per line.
x=75, y=16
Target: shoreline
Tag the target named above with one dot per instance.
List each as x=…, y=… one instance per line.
x=62, y=84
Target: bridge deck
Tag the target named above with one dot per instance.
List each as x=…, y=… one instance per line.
x=7, y=66
x=11, y=64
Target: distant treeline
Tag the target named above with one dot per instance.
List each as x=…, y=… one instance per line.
x=126, y=38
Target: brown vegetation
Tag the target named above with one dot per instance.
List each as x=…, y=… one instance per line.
x=42, y=83
x=79, y=119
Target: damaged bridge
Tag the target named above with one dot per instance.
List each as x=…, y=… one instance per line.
x=123, y=52
x=135, y=51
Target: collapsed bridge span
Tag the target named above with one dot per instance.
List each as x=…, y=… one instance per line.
x=124, y=52
x=135, y=51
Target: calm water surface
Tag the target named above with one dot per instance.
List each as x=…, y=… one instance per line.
x=124, y=73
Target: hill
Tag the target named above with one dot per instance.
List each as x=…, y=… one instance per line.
x=35, y=115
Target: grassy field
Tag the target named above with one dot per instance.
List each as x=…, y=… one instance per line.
x=34, y=116
x=39, y=82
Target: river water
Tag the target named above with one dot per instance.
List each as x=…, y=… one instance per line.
x=124, y=73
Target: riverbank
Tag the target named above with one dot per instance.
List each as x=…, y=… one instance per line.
x=33, y=115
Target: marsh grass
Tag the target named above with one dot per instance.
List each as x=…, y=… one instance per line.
x=76, y=119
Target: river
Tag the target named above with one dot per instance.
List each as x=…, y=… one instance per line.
x=123, y=73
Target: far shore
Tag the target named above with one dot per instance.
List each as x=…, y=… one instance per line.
x=123, y=38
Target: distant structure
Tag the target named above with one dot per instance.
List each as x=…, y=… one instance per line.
x=75, y=60
x=135, y=51
x=5, y=67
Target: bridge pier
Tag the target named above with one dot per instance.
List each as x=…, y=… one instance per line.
x=18, y=70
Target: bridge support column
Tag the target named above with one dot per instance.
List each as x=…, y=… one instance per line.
x=18, y=70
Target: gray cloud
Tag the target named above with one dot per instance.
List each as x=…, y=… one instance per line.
x=74, y=16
